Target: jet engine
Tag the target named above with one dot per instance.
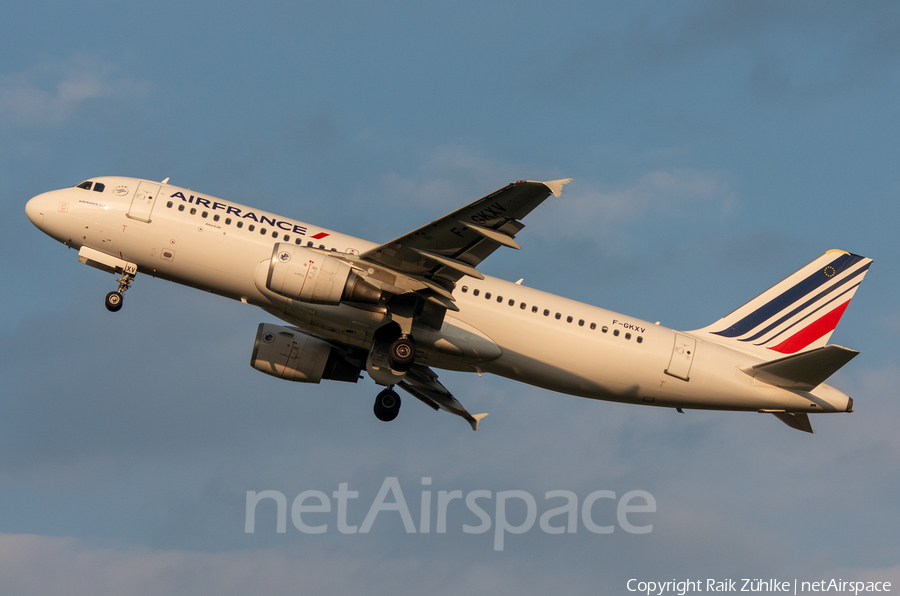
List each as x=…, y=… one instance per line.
x=289, y=354
x=299, y=273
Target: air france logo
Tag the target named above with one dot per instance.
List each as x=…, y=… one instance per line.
x=215, y=205
x=121, y=190
x=269, y=337
x=284, y=256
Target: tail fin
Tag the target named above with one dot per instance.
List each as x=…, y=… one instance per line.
x=796, y=315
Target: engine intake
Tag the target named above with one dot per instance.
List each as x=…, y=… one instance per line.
x=289, y=354
x=302, y=274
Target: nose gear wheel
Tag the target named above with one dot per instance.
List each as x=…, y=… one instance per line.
x=114, y=299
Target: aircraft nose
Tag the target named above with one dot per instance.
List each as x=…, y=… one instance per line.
x=34, y=209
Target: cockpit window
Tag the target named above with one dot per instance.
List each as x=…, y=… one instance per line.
x=99, y=187
x=86, y=185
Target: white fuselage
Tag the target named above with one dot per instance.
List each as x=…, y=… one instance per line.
x=574, y=348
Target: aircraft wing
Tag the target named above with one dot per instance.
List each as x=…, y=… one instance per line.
x=448, y=248
x=422, y=383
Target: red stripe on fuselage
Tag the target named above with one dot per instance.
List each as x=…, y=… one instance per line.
x=811, y=333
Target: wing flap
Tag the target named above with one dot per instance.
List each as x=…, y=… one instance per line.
x=450, y=247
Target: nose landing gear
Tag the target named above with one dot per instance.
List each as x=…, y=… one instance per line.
x=387, y=405
x=114, y=299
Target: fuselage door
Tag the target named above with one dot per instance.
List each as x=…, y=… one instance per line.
x=143, y=201
x=682, y=357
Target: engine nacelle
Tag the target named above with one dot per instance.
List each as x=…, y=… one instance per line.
x=289, y=354
x=299, y=273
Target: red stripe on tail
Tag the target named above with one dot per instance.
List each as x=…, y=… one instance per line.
x=811, y=333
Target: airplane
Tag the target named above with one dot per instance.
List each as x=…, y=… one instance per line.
x=401, y=309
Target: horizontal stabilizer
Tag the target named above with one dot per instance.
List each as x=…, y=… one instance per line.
x=798, y=420
x=804, y=371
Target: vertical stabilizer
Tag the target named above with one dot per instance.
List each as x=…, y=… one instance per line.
x=796, y=315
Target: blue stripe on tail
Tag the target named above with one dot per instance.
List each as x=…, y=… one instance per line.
x=791, y=296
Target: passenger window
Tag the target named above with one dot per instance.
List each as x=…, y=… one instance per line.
x=216, y=217
x=465, y=289
x=568, y=319
x=558, y=316
x=487, y=296
x=522, y=306
x=640, y=339
x=99, y=187
x=534, y=309
x=262, y=231
x=593, y=326
x=287, y=238
x=204, y=214
x=298, y=241
x=616, y=332
x=499, y=299
x=322, y=246
x=251, y=227
x=605, y=329
x=627, y=336
x=227, y=221
x=169, y=204
x=193, y=211
x=476, y=291
x=513, y=303
x=240, y=224
x=581, y=322
x=309, y=244
x=546, y=312
x=181, y=207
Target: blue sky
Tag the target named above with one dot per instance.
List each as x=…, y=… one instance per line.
x=716, y=147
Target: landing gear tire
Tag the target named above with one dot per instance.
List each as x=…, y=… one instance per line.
x=402, y=354
x=113, y=301
x=387, y=405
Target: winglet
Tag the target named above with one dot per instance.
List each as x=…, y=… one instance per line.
x=475, y=419
x=555, y=186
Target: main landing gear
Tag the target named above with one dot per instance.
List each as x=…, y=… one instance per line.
x=387, y=405
x=401, y=356
x=402, y=353
x=114, y=299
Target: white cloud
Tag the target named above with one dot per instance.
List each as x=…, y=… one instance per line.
x=51, y=91
x=659, y=191
x=40, y=565
x=587, y=208
x=51, y=565
x=450, y=176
